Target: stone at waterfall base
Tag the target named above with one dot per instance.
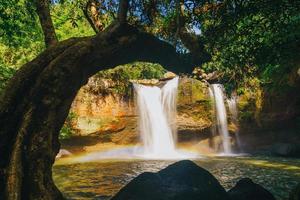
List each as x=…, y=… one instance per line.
x=183, y=180
x=245, y=189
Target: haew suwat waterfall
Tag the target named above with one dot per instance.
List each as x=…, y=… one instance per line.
x=221, y=126
x=157, y=118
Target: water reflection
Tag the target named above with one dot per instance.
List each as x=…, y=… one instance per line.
x=100, y=180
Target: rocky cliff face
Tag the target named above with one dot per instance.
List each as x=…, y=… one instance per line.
x=264, y=117
x=112, y=118
x=276, y=121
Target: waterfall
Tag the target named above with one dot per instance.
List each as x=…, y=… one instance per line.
x=217, y=96
x=157, y=115
x=169, y=103
x=232, y=106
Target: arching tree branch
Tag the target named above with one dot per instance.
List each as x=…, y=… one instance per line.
x=43, y=11
x=30, y=125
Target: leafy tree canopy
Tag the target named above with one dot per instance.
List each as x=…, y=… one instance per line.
x=242, y=39
x=253, y=39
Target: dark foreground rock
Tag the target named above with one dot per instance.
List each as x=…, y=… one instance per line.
x=295, y=194
x=245, y=189
x=183, y=180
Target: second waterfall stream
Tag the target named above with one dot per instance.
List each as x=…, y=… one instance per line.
x=221, y=126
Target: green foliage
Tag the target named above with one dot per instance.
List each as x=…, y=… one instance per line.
x=18, y=23
x=21, y=38
x=5, y=74
x=122, y=75
x=246, y=39
x=67, y=130
x=137, y=70
x=69, y=20
x=253, y=39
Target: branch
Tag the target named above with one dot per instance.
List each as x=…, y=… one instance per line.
x=43, y=11
x=190, y=40
x=179, y=18
x=122, y=12
x=150, y=9
x=94, y=9
x=86, y=14
x=145, y=47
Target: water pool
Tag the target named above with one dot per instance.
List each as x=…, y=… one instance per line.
x=102, y=179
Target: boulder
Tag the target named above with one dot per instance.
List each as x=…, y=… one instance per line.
x=183, y=180
x=246, y=189
x=295, y=194
x=286, y=150
x=169, y=75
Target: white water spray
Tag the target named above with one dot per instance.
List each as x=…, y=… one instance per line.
x=217, y=96
x=232, y=105
x=157, y=115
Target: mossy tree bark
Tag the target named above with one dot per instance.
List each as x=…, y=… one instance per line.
x=38, y=98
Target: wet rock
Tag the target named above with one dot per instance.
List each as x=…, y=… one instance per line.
x=63, y=153
x=183, y=180
x=169, y=75
x=295, y=194
x=150, y=82
x=210, y=77
x=245, y=189
x=286, y=150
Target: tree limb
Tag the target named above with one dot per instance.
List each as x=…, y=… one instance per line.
x=86, y=14
x=91, y=13
x=122, y=12
x=94, y=9
x=190, y=40
x=43, y=11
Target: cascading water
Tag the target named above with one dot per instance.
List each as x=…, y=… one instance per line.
x=157, y=126
x=157, y=115
x=232, y=105
x=169, y=103
x=217, y=96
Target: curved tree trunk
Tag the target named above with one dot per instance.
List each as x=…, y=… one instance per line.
x=38, y=98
